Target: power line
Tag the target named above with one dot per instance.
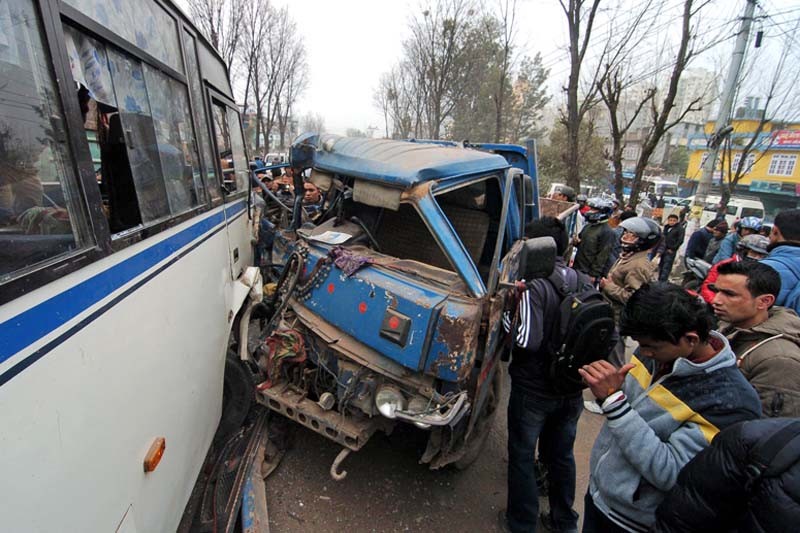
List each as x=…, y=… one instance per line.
x=607, y=32
x=728, y=21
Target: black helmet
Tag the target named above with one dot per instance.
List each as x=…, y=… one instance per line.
x=601, y=209
x=581, y=198
x=647, y=231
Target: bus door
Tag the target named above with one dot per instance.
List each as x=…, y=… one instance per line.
x=232, y=159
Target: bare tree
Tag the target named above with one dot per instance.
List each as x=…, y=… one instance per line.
x=624, y=95
x=581, y=15
x=222, y=22
x=313, y=122
x=296, y=81
x=380, y=99
x=404, y=101
x=505, y=64
x=782, y=101
x=612, y=87
x=435, y=53
x=256, y=16
x=664, y=117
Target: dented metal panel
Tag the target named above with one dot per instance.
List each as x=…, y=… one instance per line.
x=455, y=342
x=357, y=305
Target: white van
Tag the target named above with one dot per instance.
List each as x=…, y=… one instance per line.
x=738, y=208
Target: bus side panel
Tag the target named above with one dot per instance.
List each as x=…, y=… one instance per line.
x=79, y=421
x=240, y=238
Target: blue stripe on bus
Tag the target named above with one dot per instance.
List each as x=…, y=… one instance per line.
x=29, y=326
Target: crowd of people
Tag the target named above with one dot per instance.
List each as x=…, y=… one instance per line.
x=702, y=417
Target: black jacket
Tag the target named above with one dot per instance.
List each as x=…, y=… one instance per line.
x=536, y=322
x=673, y=237
x=720, y=490
x=594, y=249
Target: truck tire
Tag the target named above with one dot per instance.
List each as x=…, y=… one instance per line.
x=485, y=422
x=238, y=395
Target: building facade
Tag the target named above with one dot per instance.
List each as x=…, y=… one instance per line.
x=771, y=170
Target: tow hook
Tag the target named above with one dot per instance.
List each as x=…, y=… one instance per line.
x=335, y=473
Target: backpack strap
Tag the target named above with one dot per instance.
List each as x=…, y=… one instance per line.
x=758, y=345
x=774, y=454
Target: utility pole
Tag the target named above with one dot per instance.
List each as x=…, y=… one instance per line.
x=721, y=127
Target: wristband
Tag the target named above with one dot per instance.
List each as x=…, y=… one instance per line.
x=617, y=396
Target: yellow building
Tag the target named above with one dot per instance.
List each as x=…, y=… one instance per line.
x=772, y=170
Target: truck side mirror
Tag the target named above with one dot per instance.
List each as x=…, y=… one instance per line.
x=537, y=259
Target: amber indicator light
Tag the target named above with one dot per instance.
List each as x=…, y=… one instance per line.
x=154, y=454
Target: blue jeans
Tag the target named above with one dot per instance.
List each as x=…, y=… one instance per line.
x=552, y=422
x=665, y=266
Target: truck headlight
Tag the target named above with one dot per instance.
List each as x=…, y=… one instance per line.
x=388, y=400
x=416, y=406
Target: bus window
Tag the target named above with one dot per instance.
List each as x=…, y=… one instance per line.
x=231, y=148
x=141, y=22
x=200, y=121
x=40, y=214
x=176, y=148
x=237, y=147
x=224, y=147
x=149, y=167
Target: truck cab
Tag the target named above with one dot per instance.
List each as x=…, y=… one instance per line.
x=391, y=299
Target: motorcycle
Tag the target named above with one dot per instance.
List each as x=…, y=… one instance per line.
x=696, y=272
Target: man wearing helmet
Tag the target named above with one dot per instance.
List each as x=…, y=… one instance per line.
x=749, y=248
x=764, y=337
x=746, y=226
x=564, y=193
x=632, y=270
x=595, y=240
x=784, y=256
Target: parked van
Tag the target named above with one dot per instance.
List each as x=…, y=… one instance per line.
x=738, y=208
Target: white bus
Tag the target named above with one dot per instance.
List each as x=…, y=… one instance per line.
x=119, y=285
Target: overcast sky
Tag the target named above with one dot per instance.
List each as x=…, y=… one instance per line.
x=350, y=43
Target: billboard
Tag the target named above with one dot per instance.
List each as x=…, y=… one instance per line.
x=787, y=139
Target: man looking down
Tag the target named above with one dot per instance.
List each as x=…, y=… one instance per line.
x=661, y=409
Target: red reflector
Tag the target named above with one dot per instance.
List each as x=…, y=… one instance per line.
x=394, y=322
x=331, y=288
x=362, y=307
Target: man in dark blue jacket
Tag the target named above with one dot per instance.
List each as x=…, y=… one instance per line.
x=698, y=242
x=537, y=412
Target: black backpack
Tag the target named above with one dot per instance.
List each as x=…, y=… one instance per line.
x=772, y=455
x=583, y=332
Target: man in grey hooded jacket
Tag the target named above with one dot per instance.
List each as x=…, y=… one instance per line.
x=678, y=392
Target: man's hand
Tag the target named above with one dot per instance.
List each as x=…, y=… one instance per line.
x=603, y=378
x=603, y=282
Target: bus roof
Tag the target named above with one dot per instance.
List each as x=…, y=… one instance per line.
x=397, y=163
